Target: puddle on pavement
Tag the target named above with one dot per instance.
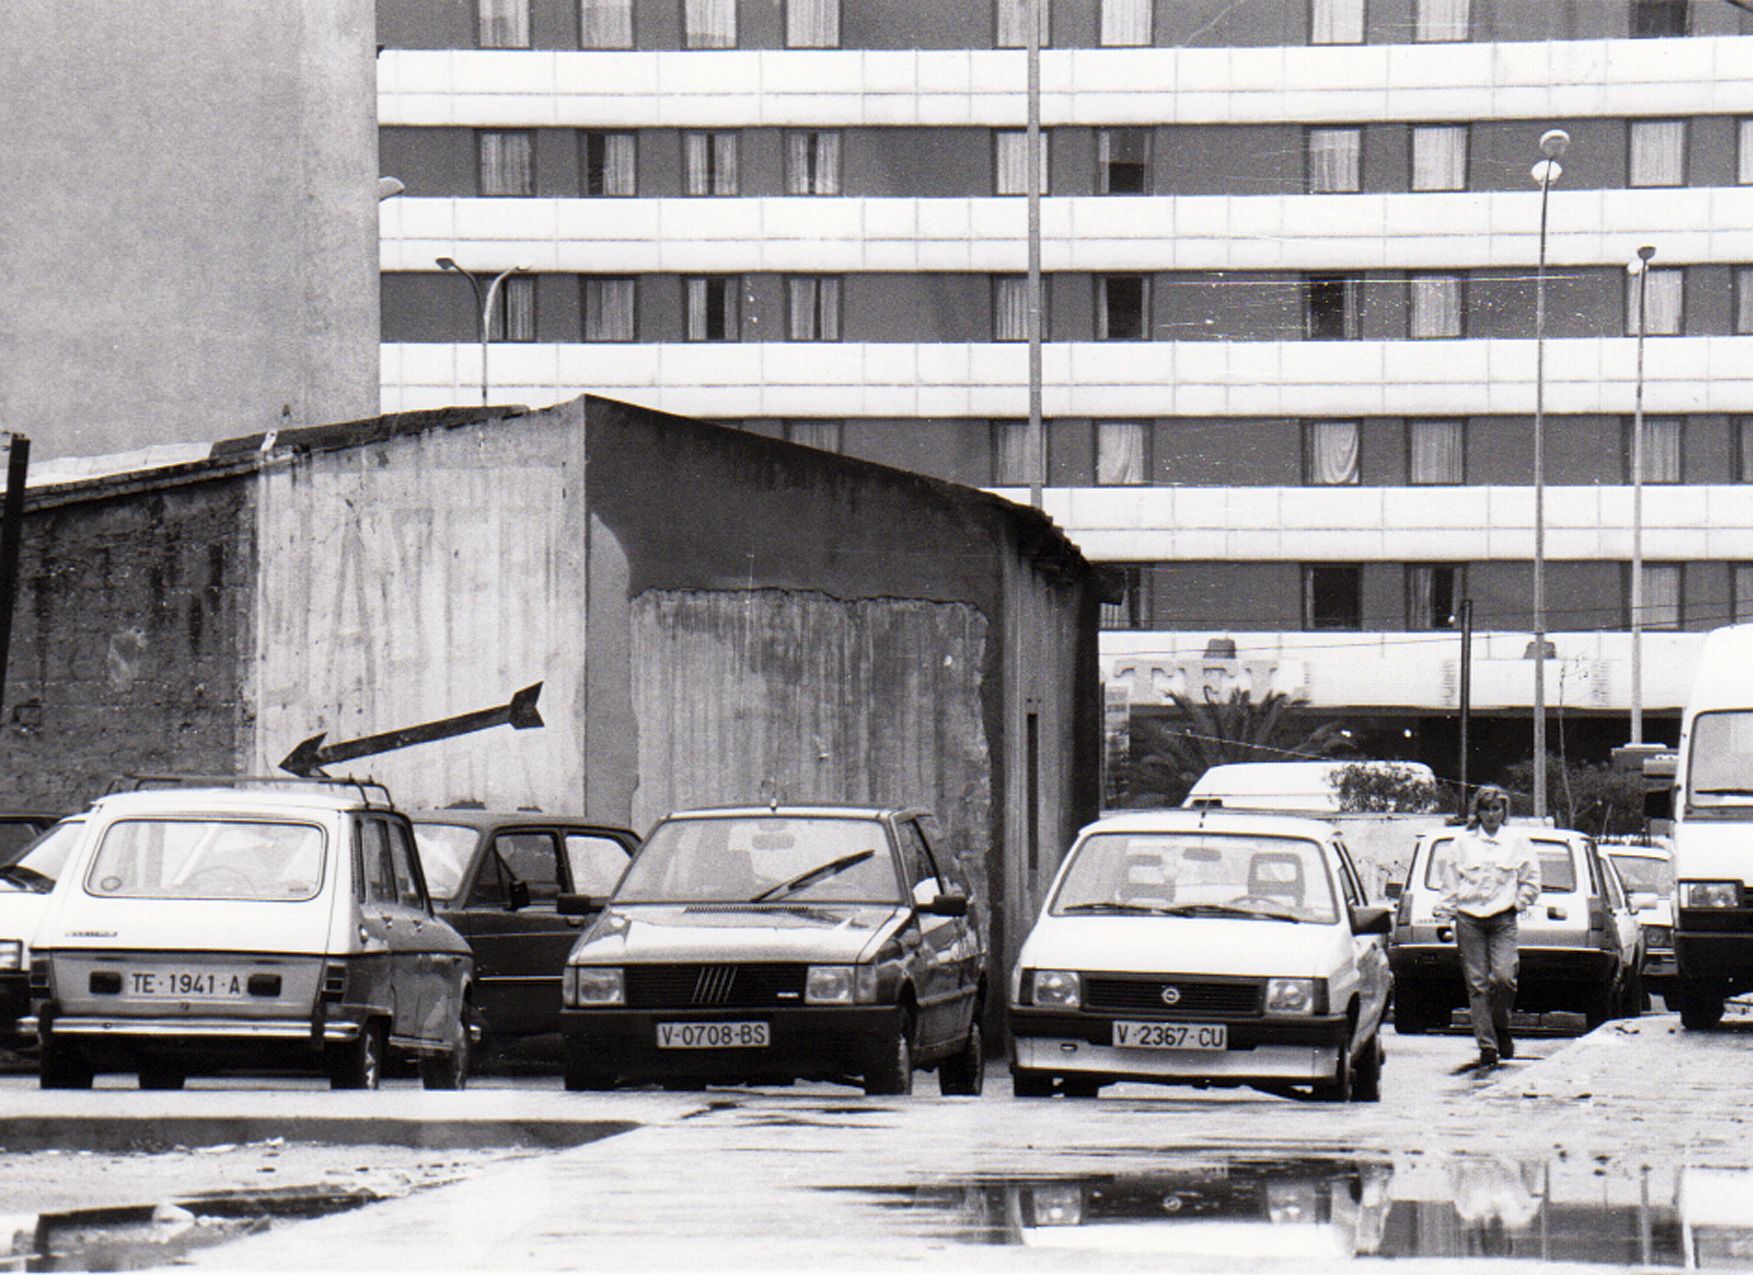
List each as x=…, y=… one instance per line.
x=1328, y=1208
x=138, y=1237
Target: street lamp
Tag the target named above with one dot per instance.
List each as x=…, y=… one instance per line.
x=1553, y=143
x=1638, y=269
x=484, y=303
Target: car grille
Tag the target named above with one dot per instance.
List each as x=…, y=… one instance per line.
x=1132, y=993
x=713, y=986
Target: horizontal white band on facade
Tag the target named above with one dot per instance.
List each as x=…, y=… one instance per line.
x=1416, y=671
x=986, y=87
x=1691, y=523
x=1105, y=379
x=1435, y=231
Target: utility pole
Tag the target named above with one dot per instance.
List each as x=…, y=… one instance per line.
x=1037, y=427
x=11, y=535
x=1466, y=690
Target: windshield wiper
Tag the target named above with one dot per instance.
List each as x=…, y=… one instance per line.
x=821, y=872
x=1225, y=909
x=1149, y=909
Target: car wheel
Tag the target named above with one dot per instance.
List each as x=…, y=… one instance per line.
x=449, y=1070
x=1366, y=1078
x=965, y=1073
x=1600, y=1002
x=1342, y=1087
x=1415, y=1010
x=1031, y=1084
x=1701, y=1004
x=162, y=1076
x=1636, y=1000
x=580, y=1076
x=358, y=1064
x=63, y=1067
x=893, y=1073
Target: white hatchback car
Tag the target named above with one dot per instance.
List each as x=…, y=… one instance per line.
x=1204, y=948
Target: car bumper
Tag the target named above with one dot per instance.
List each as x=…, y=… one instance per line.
x=1660, y=965
x=1535, y=965
x=804, y=1043
x=195, y=1029
x=1289, y=1050
x=1714, y=954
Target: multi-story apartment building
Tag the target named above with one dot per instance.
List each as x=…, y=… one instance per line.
x=1290, y=253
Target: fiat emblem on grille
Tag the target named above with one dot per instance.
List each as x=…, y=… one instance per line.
x=1171, y=996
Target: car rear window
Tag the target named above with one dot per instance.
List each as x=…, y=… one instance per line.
x=1557, y=867
x=749, y=859
x=208, y=859
x=1182, y=871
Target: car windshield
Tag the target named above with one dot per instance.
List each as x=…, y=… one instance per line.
x=1719, y=764
x=208, y=859
x=39, y=866
x=1197, y=874
x=444, y=856
x=744, y=859
x=1643, y=875
x=1557, y=868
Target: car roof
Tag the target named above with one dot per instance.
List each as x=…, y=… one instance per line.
x=1638, y=852
x=469, y=817
x=1526, y=829
x=815, y=810
x=1183, y=819
x=234, y=801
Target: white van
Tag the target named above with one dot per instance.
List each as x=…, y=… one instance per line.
x=1713, y=831
x=1300, y=787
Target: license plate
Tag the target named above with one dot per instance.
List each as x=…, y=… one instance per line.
x=187, y=984
x=712, y=1035
x=1171, y=1036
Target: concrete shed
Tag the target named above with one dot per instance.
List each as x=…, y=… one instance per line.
x=714, y=617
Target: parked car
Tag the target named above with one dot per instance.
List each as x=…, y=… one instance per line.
x=764, y=944
x=1204, y=948
x=497, y=876
x=1647, y=872
x=1579, y=946
x=25, y=882
x=281, y=924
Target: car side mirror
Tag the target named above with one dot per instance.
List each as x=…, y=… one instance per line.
x=946, y=905
x=578, y=904
x=1371, y=920
x=1392, y=891
x=1641, y=901
x=517, y=896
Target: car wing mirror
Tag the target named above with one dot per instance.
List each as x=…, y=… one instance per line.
x=946, y=905
x=1393, y=890
x=1371, y=920
x=517, y=896
x=1642, y=901
x=577, y=904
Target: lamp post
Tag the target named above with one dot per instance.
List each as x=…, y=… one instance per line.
x=1638, y=269
x=1032, y=157
x=484, y=305
x=1553, y=144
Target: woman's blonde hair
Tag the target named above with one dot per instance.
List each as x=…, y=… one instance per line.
x=1488, y=794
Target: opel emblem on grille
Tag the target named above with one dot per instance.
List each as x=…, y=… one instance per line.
x=1171, y=996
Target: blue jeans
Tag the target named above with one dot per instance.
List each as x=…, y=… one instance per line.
x=1489, y=967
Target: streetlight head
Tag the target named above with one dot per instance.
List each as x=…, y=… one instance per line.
x=1546, y=172
x=389, y=188
x=1646, y=252
x=1554, y=142
x=448, y=263
x=522, y=267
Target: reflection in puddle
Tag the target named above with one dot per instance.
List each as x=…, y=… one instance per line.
x=1468, y=1206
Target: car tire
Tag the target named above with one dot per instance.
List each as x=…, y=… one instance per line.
x=1701, y=1003
x=1415, y=1010
x=580, y=1077
x=1635, y=1000
x=893, y=1073
x=1031, y=1084
x=1366, y=1077
x=64, y=1067
x=162, y=1076
x=358, y=1064
x=1599, y=1003
x=1343, y=1086
x=964, y=1073
x=449, y=1070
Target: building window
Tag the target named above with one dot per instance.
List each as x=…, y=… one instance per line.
x=812, y=163
x=502, y=24
x=709, y=24
x=1333, y=597
x=1013, y=24
x=1011, y=162
x=712, y=308
x=822, y=435
x=506, y=166
x=1132, y=611
x=812, y=24
x=1654, y=18
x=1010, y=308
x=1744, y=156
x=1332, y=307
x=1439, y=157
x=607, y=164
x=1336, y=21
x=1122, y=453
x=1744, y=300
x=1436, y=453
x=1122, y=304
x=514, y=310
x=1658, y=153
x=1441, y=20
x=605, y=24
x=1433, y=595
x=1743, y=601
x=1661, y=449
x=812, y=308
x=1014, y=462
x=1330, y=453
x=1664, y=302
x=1662, y=584
x=609, y=309
x=710, y=163
x=1335, y=160
x=1742, y=430
x=1126, y=22
x=1435, y=307
x=1123, y=161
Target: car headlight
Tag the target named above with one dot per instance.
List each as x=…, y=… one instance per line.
x=587, y=985
x=1710, y=894
x=1059, y=989
x=11, y=954
x=1290, y=996
x=1661, y=936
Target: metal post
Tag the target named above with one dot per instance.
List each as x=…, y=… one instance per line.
x=1639, y=268
x=483, y=305
x=1552, y=144
x=1037, y=426
x=11, y=536
x=1466, y=691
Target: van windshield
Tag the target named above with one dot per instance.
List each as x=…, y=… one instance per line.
x=1719, y=769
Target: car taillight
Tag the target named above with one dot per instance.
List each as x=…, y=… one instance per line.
x=1403, y=912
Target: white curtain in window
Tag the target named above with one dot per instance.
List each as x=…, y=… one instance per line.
x=1334, y=160
x=812, y=163
x=1661, y=448
x=814, y=308
x=812, y=24
x=1012, y=161
x=605, y=24
x=1661, y=596
x=608, y=309
x=710, y=160
x=1333, y=453
x=1744, y=300
x=505, y=164
x=1336, y=22
x=1441, y=20
x=503, y=24
x=1663, y=303
x=1126, y=22
x=1013, y=23
x=1120, y=453
x=712, y=309
x=1744, y=167
x=824, y=435
x=1436, y=448
x=1431, y=595
x=1014, y=462
x=710, y=24
x=514, y=310
x=610, y=168
x=1658, y=153
x=1010, y=308
x=1439, y=157
x=1743, y=593
x=1436, y=306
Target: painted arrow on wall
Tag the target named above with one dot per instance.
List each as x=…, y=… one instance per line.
x=312, y=755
